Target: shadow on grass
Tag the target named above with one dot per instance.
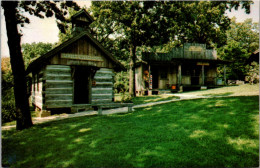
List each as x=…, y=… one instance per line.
x=220, y=132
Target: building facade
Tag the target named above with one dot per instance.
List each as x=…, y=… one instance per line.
x=189, y=66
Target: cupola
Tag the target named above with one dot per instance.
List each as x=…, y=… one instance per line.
x=81, y=21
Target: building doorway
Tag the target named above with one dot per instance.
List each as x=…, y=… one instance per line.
x=195, y=75
x=155, y=79
x=82, y=85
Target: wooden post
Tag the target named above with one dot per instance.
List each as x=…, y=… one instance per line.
x=225, y=75
x=179, y=75
x=149, y=83
x=129, y=108
x=99, y=110
x=90, y=88
x=203, y=75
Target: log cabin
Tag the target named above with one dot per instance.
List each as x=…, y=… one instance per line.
x=190, y=66
x=75, y=75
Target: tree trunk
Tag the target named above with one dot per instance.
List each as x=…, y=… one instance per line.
x=23, y=115
x=132, y=71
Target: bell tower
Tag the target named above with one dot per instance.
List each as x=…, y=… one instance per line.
x=81, y=21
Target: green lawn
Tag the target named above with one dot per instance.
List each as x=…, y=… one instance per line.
x=219, y=132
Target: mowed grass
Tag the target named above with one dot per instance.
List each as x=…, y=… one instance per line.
x=219, y=132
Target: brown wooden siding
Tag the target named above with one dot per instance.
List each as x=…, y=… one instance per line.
x=82, y=47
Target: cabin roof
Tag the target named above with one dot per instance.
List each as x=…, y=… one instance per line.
x=189, y=52
x=42, y=59
x=84, y=13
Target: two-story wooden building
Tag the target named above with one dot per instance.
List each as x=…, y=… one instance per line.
x=189, y=66
x=77, y=73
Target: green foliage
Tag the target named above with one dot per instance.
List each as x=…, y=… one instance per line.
x=121, y=82
x=219, y=132
x=253, y=73
x=8, y=106
x=30, y=53
x=234, y=52
x=34, y=50
x=7, y=99
x=245, y=33
x=242, y=40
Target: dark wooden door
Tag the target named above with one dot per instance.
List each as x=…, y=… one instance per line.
x=81, y=85
x=155, y=78
x=195, y=75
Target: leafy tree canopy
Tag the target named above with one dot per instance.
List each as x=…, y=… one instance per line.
x=242, y=41
x=34, y=50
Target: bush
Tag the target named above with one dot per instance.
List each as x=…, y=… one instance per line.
x=121, y=84
x=8, y=110
x=253, y=73
x=126, y=98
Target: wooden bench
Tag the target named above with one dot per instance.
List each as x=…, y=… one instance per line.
x=113, y=105
x=76, y=107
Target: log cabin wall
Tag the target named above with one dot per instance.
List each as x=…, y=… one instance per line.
x=37, y=89
x=58, y=86
x=102, y=88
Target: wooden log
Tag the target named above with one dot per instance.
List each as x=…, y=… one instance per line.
x=58, y=85
x=57, y=77
x=58, y=97
x=102, y=91
x=102, y=96
x=67, y=90
x=58, y=102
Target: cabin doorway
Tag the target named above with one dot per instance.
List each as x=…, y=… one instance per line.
x=195, y=75
x=82, y=85
x=155, y=78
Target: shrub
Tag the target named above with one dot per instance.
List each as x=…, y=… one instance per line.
x=121, y=84
x=253, y=73
x=8, y=110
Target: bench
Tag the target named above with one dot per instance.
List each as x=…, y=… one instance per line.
x=113, y=105
x=76, y=107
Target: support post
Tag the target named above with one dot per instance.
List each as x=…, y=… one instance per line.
x=129, y=108
x=150, y=87
x=99, y=110
x=179, y=75
x=203, y=75
x=225, y=80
